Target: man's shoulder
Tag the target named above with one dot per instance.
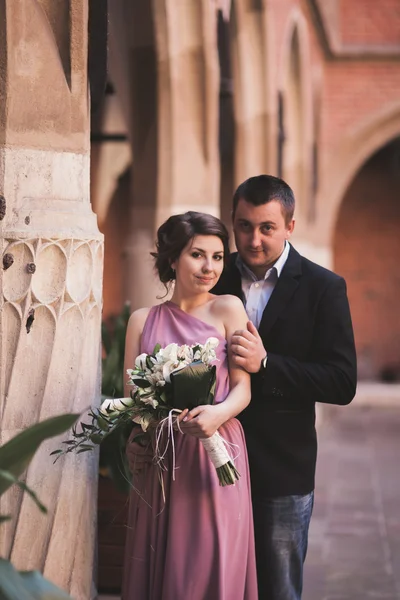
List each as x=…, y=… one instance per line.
x=313, y=271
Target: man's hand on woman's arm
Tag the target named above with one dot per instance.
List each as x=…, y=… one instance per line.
x=248, y=349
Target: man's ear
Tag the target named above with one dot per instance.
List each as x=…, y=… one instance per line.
x=290, y=228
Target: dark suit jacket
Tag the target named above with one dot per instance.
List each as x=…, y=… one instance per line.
x=307, y=332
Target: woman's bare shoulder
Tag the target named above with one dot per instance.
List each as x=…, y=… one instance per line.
x=227, y=302
x=230, y=310
x=227, y=306
x=138, y=318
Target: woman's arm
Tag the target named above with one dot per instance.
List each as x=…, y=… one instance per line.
x=203, y=421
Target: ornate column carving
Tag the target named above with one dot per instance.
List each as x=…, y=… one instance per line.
x=50, y=281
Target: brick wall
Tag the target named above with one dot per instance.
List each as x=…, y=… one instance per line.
x=370, y=22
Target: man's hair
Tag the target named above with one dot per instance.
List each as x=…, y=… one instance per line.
x=263, y=189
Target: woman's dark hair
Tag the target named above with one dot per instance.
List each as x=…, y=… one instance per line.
x=176, y=233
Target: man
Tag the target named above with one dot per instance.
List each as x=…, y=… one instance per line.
x=299, y=348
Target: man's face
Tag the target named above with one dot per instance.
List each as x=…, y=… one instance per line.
x=260, y=234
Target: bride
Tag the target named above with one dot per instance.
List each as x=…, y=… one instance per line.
x=191, y=539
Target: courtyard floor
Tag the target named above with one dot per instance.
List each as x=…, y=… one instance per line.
x=354, y=542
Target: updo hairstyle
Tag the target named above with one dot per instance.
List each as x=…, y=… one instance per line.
x=176, y=233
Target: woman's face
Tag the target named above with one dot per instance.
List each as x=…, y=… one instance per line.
x=200, y=264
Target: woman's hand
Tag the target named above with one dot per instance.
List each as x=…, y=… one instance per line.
x=202, y=421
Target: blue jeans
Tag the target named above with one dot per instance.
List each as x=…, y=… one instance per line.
x=281, y=535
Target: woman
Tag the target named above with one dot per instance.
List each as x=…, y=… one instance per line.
x=191, y=539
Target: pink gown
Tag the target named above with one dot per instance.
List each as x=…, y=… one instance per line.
x=199, y=543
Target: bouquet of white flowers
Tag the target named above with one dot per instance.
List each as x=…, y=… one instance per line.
x=163, y=384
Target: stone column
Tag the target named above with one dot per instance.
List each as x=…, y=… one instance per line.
x=188, y=107
x=253, y=100
x=169, y=50
x=51, y=281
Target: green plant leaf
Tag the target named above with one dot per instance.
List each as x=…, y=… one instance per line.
x=17, y=453
x=26, y=585
x=105, y=337
x=7, y=479
x=4, y=518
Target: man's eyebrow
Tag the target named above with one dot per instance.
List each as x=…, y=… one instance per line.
x=257, y=224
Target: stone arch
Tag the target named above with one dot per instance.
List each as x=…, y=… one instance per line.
x=296, y=90
x=366, y=246
x=346, y=158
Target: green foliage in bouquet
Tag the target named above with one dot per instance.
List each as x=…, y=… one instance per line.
x=15, y=457
x=164, y=383
x=113, y=462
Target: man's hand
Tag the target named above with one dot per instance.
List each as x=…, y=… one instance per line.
x=247, y=349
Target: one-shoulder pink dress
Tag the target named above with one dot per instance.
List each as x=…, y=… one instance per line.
x=198, y=542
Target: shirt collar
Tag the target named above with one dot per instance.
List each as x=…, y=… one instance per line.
x=276, y=268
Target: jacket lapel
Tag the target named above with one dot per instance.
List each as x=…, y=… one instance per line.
x=283, y=291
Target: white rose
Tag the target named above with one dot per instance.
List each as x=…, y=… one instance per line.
x=211, y=343
x=185, y=353
x=150, y=401
x=169, y=353
x=115, y=405
x=143, y=421
x=156, y=379
x=171, y=367
x=140, y=362
x=135, y=376
x=197, y=355
x=208, y=353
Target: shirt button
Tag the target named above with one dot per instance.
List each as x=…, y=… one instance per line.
x=256, y=285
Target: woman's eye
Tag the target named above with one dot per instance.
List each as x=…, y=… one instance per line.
x=196, y=254
x=218, y=257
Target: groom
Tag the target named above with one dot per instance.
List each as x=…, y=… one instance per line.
x=299, y=348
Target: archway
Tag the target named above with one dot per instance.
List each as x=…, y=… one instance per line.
x=366, y=245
